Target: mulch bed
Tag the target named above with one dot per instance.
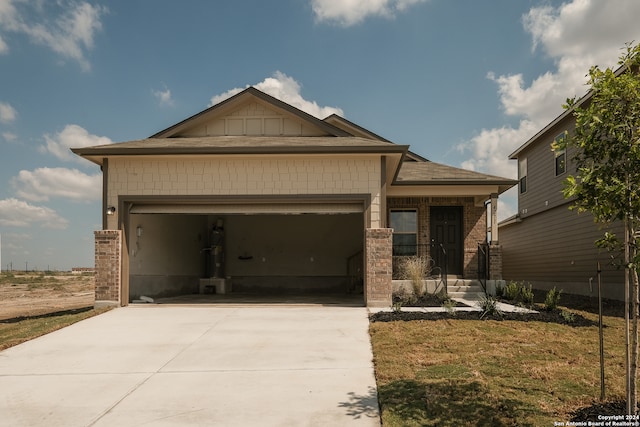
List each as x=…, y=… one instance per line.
x=426, y=300
x=554, y=316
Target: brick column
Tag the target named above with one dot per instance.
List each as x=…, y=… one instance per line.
x=378, y=268
x=108, y=253
x=495, y=262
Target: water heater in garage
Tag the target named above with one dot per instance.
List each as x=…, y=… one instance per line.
x=216, y=261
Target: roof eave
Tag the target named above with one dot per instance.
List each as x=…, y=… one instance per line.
x=502, y=185
x=107, y=151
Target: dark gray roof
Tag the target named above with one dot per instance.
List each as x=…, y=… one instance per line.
x=430, y=173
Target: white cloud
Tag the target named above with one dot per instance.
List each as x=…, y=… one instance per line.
x=351, y=12
x=491, y=147
x=44, y=183
x=9, y=136
x=576, y=35
x=163, y=97
x=72, y=136
x=7, y=113
x=66, y=27
x=286, y=89
x=18, y=213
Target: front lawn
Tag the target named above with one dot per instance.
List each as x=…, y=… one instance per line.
x=452, y=372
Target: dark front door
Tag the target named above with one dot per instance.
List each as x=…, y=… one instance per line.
x=446, y=238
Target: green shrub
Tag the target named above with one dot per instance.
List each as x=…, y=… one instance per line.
x=489, y=307
x=568, y=316
x=449, y=306
x=552, y=299
x=512, y=291
x=499, y=291
x=526, y=293
x=396, y=307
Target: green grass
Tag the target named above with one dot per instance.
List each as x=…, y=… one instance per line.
x=492, y=373
x=16, y=331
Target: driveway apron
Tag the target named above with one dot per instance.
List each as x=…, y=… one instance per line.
x=161, y=365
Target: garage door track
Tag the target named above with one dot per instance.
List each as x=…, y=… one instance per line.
x=161, y=365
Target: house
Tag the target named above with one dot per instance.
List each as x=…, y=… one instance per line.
x=546, y=244
x=255, y=195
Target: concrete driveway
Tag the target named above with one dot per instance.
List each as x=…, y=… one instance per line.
x=162, y=365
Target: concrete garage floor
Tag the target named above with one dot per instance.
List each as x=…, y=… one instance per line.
x=342, y=300
x=201, y=365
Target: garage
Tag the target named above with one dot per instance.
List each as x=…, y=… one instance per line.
x=266, y=248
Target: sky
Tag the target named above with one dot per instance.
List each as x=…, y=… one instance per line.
x=463, y=82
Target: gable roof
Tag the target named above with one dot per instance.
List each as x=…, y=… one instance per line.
x=568, y=112
x=233, y=102
x=334, y=135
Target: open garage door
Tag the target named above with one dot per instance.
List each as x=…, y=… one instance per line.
x=267, y=248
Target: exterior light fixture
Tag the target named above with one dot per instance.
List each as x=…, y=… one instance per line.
x=111, y=210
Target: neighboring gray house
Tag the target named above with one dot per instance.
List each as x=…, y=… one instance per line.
x=545, y=243
x=254, y=195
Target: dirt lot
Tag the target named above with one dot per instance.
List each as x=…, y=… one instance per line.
x=23, y=295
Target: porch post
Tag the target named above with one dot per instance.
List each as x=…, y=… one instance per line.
x=494, y=218
x=108, y=264
x=378, y=267
x=495, y=262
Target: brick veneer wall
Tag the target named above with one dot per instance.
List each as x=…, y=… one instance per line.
x=378, y=267
x=108, y=259
x=495, y=262
x=474, y=224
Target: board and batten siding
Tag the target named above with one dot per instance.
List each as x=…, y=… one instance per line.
x=255, y=118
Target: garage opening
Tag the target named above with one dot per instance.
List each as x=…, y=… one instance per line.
x=280, y=250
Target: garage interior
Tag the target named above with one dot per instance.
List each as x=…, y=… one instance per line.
x=225, y=252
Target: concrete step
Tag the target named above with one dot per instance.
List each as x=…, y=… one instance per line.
x=472, y=296
x=465, y=289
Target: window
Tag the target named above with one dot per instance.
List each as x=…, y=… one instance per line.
x=405, y=231
x=561, y=155
x=522, y=174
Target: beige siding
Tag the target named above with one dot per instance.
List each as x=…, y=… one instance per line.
x=254, y=118
x=258, y=176
x=556, y=248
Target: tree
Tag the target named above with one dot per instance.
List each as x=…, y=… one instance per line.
x=607, y=180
